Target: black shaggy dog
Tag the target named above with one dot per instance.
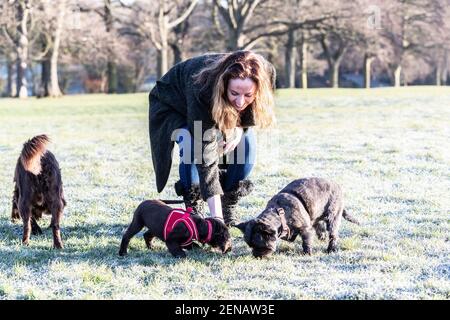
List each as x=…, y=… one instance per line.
x=38, y=189
x=299, y=208
x=155, y=214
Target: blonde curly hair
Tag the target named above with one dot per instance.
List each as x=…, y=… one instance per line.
x=241, y=65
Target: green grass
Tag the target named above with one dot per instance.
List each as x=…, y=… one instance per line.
x=388, y=148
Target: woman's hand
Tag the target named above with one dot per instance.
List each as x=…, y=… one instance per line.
x=232, y=144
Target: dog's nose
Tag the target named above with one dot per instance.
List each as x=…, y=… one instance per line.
x=227, y=248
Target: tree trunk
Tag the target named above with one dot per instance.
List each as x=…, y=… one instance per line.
x=138, y=75
x=22, y=84
x=23, y=11
x=103, y=82
x=180, y=31
x=445, y=65
x=438, y=74
x=165, y=26
x=163, y=61
x=290, y=59
x=45, y=78
x=235, y=40
x=163, y=50
x=54, y=90
x=177, y=53
x=334, y=74
x=111, y=74
x=367, y=70
x=111, y=66
x=397, y=76
x=444, y=77
x=334, y=60
x=35, y=82
x=10, y=85
x=232, y=42
x=304, y=64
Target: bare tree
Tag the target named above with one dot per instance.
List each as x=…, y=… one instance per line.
x=409, y=23
x=334, y=57
x=337, y=35
x=8, y=46
x=302, y=20
x=178, y=41
x=369, y=23
x=51, y=25
x=158, y=24
x=17, y=34
x=23, y=8
x=437, y=45
x=237, y=14
x=110, y=13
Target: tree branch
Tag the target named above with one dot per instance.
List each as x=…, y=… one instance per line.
x=216, y=21
x=246, y=14
x=224, y=13
x=284, y=27
x=326, y=50
x=48, y=44
x=8, y=36
x=184, y=15
x=155, y=42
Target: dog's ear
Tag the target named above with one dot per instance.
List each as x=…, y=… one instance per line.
x=241, y=226
x=247, y=228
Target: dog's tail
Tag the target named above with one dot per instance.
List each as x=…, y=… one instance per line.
x=32, y=152
x=347, y=216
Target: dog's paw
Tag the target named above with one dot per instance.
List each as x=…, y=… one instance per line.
x=36, y=232
x=322, y=236
x=332, y=249
x=149, y=245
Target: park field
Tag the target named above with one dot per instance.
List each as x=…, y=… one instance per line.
x=388, y=148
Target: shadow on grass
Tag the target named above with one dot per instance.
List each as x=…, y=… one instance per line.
x=92, y=243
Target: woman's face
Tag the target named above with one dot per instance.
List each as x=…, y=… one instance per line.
x=241, y=93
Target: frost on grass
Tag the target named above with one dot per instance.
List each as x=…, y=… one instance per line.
x=387, y=148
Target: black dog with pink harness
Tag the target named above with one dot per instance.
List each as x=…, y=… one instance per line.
x=179, y=215
x=179, y=228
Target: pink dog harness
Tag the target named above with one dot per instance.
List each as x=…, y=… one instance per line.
x=179, y=215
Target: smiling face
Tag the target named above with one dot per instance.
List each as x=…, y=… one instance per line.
x=241, y=93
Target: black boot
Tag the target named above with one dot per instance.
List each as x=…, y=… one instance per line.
x=231, y=198
x=191, y=197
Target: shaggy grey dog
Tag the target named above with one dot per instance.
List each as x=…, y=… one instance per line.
x=300, y=207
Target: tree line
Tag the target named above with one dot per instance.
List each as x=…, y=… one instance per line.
x=114, y=45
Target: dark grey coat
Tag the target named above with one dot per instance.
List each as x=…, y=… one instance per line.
x=176, y=101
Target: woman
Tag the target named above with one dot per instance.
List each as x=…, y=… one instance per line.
x=207, y=105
